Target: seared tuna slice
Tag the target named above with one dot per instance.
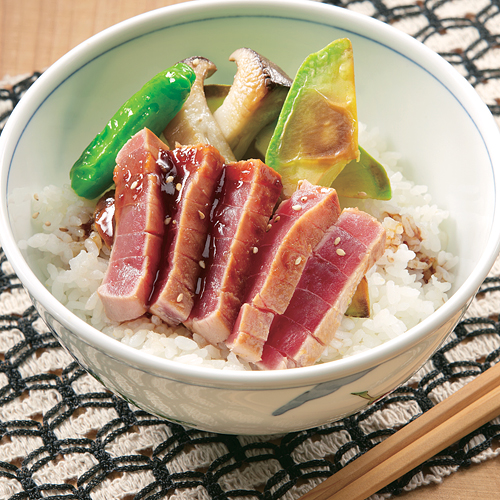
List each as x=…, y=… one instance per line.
x=139, y=228
x=272, y=359
x=192, y=174
x=248, y=192
x=297, y=227
x=339, y=262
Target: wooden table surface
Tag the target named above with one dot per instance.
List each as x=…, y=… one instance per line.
x=35, y=33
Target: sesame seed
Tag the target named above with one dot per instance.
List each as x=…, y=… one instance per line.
x=340, y=252
x=178, y=186
x=35, y=215
x=201, y=214
x=174, y=222
x=63, y=229
x=133, y=185
x=48, y=223
x=277, y=218
x=202, y=264
x=170, y=178
x=255, y=249
x=337, y=240
x=298, y=260
x=269, y=226
x=180, y=297
x=36, y=197
x=297, y=207
x=168, y=220
x=304, y=198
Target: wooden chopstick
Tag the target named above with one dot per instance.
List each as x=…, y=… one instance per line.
x=473, y=405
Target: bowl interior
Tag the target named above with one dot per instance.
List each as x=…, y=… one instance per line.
x=434, y=120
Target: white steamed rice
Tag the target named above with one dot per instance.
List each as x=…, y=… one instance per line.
x=400, y=297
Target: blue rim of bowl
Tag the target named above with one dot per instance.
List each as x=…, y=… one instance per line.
x=261, y=379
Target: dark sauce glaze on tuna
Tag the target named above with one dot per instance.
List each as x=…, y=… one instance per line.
x=104, y=217
x=190, y=175
x=245, y=197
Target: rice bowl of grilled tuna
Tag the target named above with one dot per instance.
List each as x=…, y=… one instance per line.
x=253, y=268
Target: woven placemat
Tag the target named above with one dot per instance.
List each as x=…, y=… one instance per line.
x=62, y=435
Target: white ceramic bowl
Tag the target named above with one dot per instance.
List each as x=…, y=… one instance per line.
x=421, y=105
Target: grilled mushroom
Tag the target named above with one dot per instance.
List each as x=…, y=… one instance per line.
x=195, y=124
x=254, y=99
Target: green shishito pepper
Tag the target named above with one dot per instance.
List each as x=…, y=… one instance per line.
x=153, y=106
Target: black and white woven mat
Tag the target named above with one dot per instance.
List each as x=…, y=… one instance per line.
x=63, y=436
